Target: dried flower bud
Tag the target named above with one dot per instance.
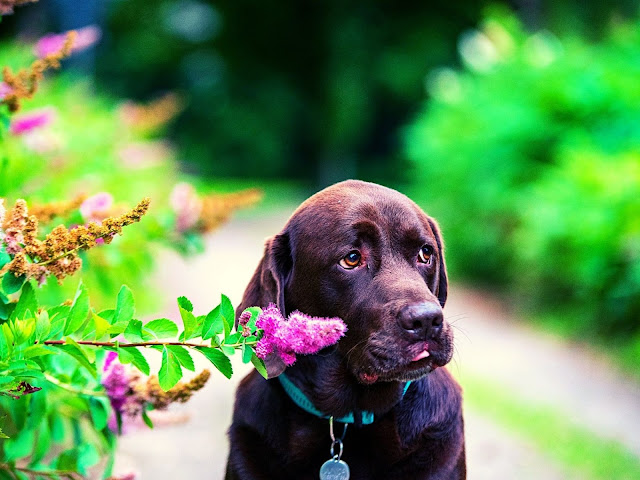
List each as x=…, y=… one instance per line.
x=57, y=254
x=52, y=43
x=24, y=84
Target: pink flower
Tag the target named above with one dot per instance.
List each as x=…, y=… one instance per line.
x=95, y=208
x=145, y=154
x=4, y=90
x=115, y=381
x=127, y=476
x=299, y=334
x=42, y=141
x=187, y=206
x=52, y=43
x=27, y=122
x=119, y=385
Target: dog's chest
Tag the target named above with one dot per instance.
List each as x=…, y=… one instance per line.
x=368, y=450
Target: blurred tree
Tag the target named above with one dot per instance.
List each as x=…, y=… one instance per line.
x=530, y=159
x=298, y=89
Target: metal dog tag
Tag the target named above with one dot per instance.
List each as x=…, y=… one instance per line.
x=334, y=469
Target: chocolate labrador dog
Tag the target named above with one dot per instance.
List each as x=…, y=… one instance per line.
x=369, y=255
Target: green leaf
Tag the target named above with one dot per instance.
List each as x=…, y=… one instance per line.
x=2, y=434
x=80, y=357
x=134, y=356
x=19, y=446
x=162, y=328
x=99, y=408
x=115, y=330
x=170, y=372
x=199, y=322
x=43, y=326
x=182, y=354
x=37, y=410
x=213, y=324
x=228, y=314
x=247, y=352
x=4, y=256
x=68, y=460
x=228, y=351
x=260, y=366
x=79, y=311
x=11, y=283
x=6, y=342
x=6, y=309
x=133, y=332
x=43, y=443
x=22, y=330
x=88, y=352
x=146, y=419
x=107, y=314
x=233, y=338
x=27, y=302
x=183, y=302
x=58, y=317
x=59, y=428
x=25, y=368
x=96, y=328
x=38, y=351
x=87, y=457
x=218, y=359
x=190, y=324
x=125, y=307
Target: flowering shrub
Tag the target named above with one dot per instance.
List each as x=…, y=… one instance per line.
x=73, y=372
x=60, y=414
x=111, y=149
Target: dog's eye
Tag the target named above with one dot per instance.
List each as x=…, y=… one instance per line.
x=351, y=260
x=425, y=255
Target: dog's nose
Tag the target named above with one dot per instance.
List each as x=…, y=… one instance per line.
x=424, y=320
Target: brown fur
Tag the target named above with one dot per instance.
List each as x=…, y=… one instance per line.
x=391, y=304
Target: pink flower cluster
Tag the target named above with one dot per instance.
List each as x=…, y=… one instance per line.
x=119, y=383
x=299, y=334
x=187, y=206
x=32, y=120
x=96, y=208
x=52, y=43
x=4, y=90
x=150, y=153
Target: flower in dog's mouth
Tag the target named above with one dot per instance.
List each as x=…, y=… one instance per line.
x=298, y=334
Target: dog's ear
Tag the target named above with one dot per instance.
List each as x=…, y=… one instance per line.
x=442, y=282
x=268, y=286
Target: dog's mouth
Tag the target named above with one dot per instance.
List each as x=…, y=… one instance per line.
x=421, y=359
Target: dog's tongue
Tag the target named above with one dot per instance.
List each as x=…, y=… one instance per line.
x=369, y=377
x=420, y=356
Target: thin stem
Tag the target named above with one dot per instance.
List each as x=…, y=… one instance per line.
x=62, y=255
x=78, y=391
x=144, y=344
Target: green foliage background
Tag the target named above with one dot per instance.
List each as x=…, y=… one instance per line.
x=530, y=158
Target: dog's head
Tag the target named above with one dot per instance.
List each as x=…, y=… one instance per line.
x=369, y=255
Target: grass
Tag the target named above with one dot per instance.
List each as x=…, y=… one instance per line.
x=579, y=449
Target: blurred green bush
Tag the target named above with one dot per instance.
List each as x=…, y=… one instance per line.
x=530, y=159
x=91, y=143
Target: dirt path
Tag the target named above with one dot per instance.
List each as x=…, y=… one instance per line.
x=491, y=346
